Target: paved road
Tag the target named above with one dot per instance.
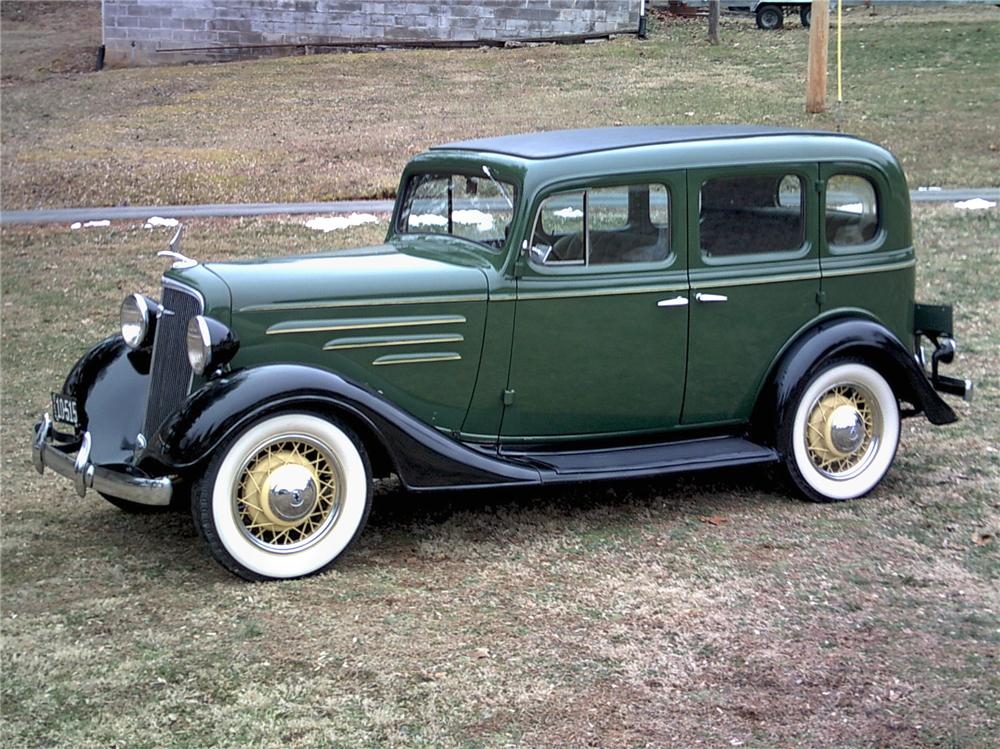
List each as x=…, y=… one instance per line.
x=141, y=213
x=125, y=213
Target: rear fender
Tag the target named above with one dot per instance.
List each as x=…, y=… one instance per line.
x=859, y=338
x=422, y=456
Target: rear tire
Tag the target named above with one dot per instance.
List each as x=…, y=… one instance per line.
x=770, y=17
x=843, y=433
x=284, y=498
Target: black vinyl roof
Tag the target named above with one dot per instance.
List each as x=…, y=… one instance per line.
x=554, y=143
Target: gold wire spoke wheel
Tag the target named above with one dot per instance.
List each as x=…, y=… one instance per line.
x=288, y=493
x=843, y=431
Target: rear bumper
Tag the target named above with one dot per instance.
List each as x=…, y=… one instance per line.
x=47, y=451
x=935, y=323
x=954, y=386
x=944, y=353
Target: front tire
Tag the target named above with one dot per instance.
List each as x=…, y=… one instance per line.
x=843, y=433
x=284, y=498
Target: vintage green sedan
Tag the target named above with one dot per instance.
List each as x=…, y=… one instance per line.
x=547, y=308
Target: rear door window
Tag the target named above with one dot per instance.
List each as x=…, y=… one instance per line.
x=751, y=215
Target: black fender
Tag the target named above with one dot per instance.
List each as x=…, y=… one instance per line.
x=423, y=457
x=110, y=384
x=861, y=338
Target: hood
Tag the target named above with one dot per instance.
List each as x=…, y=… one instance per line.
x=375, y=274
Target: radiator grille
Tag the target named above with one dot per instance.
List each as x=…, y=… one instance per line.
x=170, y=378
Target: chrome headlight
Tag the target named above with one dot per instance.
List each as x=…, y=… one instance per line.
x=138, y=320
x=210, y=344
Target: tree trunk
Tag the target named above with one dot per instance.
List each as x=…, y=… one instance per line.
x=819, y=34
x=713, y=21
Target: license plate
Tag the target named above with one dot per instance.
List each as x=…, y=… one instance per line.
x=64, y=409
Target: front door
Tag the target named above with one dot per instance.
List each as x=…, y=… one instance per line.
x=754, y=271
x=600, y=331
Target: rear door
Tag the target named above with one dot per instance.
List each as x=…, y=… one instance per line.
x=754, y=270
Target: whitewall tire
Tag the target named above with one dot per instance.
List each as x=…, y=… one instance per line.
x=843, y=432
x=284, y=498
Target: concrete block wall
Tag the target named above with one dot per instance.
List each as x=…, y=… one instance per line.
x=141, y=32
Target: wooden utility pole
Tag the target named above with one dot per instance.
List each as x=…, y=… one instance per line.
x=713, y=21
x=819, y=33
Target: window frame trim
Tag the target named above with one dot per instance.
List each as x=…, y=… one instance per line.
x=805, y=248
x=566, y=267
x=877, y=240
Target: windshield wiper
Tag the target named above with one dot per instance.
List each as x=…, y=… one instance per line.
x=488, y=173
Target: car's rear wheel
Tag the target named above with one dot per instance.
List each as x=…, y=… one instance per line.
x=770, y=17
x=284, y=498
x=843, y=433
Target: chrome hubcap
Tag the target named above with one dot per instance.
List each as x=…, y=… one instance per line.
x=846, y=430
x=843, y=431
x=292, y=492
x=288, y=493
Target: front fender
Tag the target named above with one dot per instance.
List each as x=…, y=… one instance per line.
x=859, y=338
x=110, y=385
x=423, y=457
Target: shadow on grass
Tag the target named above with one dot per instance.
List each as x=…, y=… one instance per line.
x=678, y=496
x=166, y=544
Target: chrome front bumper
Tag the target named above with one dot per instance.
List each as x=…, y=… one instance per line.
x=47, y=453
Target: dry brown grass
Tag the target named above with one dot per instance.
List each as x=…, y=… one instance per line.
x=609, y=615
x=42, y=40
x=342, y=125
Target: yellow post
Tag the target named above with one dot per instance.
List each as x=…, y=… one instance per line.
x=840, y=53
x=819, y=35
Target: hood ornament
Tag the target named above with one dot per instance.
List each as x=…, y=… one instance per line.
x=180, y=261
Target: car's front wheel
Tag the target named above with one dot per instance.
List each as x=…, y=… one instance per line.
x=284, y=498
x=843, y=433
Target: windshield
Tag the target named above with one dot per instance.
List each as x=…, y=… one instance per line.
x=473, y=207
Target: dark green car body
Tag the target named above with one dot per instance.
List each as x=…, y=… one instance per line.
x=490, y=347
x=551, y=307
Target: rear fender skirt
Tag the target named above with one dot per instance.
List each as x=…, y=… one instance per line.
x=861, y=338
x=110, y=384
x=422, y=456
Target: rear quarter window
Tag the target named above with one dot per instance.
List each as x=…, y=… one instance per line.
x=851, y=213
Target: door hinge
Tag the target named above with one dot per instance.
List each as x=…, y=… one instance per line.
x=820, y=184
x=508, y=397
x=820, y=298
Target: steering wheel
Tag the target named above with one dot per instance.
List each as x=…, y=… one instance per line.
x=543, y=247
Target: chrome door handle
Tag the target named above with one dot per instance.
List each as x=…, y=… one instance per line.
x=711, y=297
x=677, y=301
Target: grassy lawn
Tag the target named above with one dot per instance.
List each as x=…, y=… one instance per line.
x=923, y=83
x=713, y=610
x=709, y=610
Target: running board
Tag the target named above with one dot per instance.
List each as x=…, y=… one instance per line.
x=645, y=460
